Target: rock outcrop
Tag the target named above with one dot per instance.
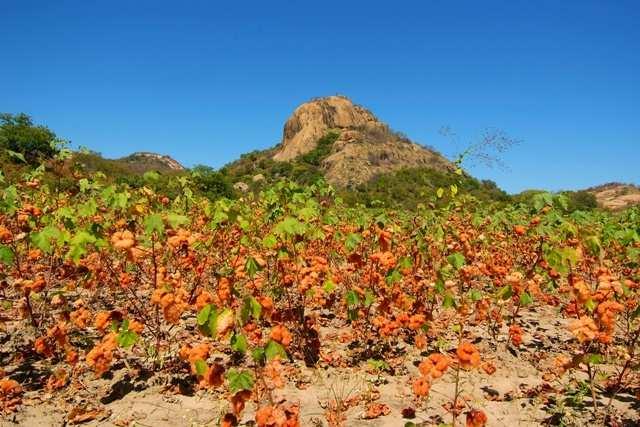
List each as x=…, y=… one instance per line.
x=365, y=148
x=311, y=121
x=149, y=160
x=616, y=196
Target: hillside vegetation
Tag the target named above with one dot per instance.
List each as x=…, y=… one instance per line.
x=26, y=144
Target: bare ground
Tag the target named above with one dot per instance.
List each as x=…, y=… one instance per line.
x=515, y=395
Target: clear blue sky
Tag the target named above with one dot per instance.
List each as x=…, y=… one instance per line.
x=206, y=81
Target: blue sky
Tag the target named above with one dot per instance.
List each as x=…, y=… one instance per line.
x=207, y=81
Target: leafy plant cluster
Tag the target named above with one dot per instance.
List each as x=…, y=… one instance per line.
x=226, y=294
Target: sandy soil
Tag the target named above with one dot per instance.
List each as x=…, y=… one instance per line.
x=515, y=395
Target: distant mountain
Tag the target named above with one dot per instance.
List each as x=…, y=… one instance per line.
x=134, y=164
x=141, y=162
x=615, y=195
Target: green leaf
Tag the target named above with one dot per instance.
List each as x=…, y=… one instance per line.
x=290, y=226
x=43, y=239
x=329, y=286
x=590, y=305
x=456, y=260
x=258, y=355
x=9, y=197
x=525, y=299
x=475, y=295
x=504, y=293
x=6, y=255
x=554, y=259
x=562, y=201
x=307, y=213
x=127, y=338
x=377, y=365
x=77, y=245
x=352, y=299
x=541, y=200
x=120, y=200
x=175, y=220
x=208, y=328
x=201, y=367
x=449, y=301
x=369, y=298
x=394, y=276
x=251, y=267
x=352, y=241
x=250, y=308
x=633, y=254
x=203, y=315
x=593, y=359
x=273, y=350
x=256, y=308
x=405, y=263
x=87, y=209
x=561, y=259
x=594, y=245
x=16, y=155
x=239, y=343
x=239, y=380
x=153, y=224
x=269, y=241
x=440, y=192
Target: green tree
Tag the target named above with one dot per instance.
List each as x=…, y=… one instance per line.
x=20, y=135
x=581, y=200
x=211, y=183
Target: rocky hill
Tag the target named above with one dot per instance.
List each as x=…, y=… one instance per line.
x=363, y=147
x=141, y=162
x=616, y=195
x=134, y=164
x=366, y=161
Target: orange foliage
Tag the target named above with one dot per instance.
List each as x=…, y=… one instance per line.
x=281, y=334
x=100, y=357
x=468, y=355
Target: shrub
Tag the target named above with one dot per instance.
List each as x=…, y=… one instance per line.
x=210, y=183
x=20, y=135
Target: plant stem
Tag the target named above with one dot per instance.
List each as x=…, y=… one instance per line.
x=454, y=409
x=593, y=390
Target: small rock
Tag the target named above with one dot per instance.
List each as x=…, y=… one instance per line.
x=241, y=186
